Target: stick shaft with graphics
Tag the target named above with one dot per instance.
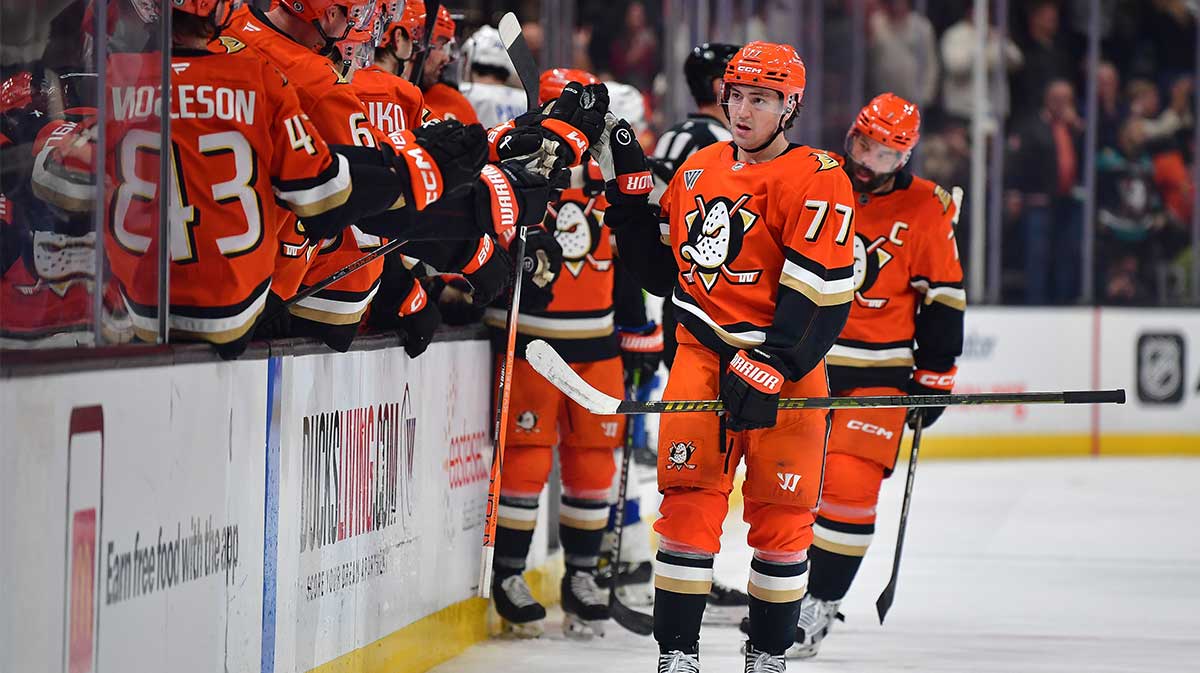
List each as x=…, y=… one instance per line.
x=518, y=51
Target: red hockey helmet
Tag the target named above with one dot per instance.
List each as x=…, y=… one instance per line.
x=771, y=66
x=890, y=121
x=407, y=15
x=358, y=12
x=553, y=81
x=444, y=26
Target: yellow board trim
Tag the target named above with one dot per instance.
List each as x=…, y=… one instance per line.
x=445, y=634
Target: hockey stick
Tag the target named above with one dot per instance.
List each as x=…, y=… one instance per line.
x=431, y=12
x=884, y=602
x=510, y=34
x=492, y=513
x=625, y=616
x=521, y=57
x=550, y=365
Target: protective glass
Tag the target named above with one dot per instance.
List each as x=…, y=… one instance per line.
x=360, y=14
x=872, y=154
x=759, y=99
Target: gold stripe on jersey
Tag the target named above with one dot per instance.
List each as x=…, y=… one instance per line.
x=847, y=356
x=213, y=330
x=818, y=290
x=748, y=339
x=554, y=328
x=838, y=542
x=954, y=297
x=333, y=311
x=323, y=197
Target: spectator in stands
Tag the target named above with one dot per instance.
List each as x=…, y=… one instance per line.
x=1042, y=177
x=1112, y=109
x=1046, y=54
x=958, y=57
x=1133, y=224
x=902, y=53
x=633, y=54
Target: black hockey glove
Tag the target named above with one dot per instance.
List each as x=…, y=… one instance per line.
x=539, y=268
x=583, y=107
x=750, y=390
x=507, y=196
x=489, y=272
x=925, y=382
x=623, y=164
x=416, y=319
x=539, y=143
x=275, y=321
x=641, y=351
x=458, y=152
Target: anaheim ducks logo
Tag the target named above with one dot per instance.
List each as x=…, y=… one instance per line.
x=716, y=231
x=577, y=230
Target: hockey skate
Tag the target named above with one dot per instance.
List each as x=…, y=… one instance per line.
x=726, y=605
x=585, y=606
x=761, y=662
x=520, y=614
x=816, y=619
x=678, y=662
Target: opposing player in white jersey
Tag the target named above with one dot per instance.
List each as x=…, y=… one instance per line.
x=485, y=84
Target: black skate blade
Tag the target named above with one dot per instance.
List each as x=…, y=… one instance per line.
x=628, y=618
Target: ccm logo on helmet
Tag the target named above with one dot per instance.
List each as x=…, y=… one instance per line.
x=934, y=380
x=755, y=374
x=746, y=68
x=870, y=429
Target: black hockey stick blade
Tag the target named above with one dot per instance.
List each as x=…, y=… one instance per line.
x=888, y=595
x=628, y=618
x=521, y=57
x=431, y=12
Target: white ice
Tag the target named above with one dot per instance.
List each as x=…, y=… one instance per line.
x=1033, y=565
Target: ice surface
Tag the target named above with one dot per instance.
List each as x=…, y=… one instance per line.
x=1032, y=565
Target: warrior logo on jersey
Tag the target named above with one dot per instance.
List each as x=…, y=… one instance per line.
x=577, y=230
x=869, y=258
x=679, y=456
x=716, y=230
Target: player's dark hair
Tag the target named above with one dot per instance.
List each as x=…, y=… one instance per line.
x=186, y=24
x=490, y=71
x=705, y=64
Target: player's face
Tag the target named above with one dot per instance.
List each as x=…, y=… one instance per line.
x=754, y=113
x=871, y=163
x=439, y=56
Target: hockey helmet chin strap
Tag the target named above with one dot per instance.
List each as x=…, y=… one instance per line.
x=785, y=119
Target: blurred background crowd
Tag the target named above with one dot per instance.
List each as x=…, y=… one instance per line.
x=1070, y=123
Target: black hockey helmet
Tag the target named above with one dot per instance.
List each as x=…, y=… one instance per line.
x=705, y=64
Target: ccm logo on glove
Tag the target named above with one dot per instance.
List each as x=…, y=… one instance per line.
x=765, y=379
x=940, y=380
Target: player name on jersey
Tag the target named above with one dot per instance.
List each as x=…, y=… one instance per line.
x=188, y=101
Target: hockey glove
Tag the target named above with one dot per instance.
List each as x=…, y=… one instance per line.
x=417, y=320
x=631, y=182
x=489, y=272
x=275, y=321
x=540, y=143
x=925, y=382
x=509, y=196
x=750, y=390
x=540, y=267
x=583, y=107
x=641, y=351
x=457, y=153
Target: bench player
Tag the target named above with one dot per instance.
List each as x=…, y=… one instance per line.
x=904, y=334
x=759, y=253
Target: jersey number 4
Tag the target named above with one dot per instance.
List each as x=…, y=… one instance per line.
x=183, y=216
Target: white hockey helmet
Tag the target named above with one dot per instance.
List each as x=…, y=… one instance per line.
x=486, y=48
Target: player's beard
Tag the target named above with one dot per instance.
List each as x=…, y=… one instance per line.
x=869, y=185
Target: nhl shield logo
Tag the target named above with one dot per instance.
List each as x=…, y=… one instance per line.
x=679, y=456
x=1161, y=364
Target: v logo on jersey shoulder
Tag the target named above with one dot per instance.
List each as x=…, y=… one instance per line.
x=691, y=176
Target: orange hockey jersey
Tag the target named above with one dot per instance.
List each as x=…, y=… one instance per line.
x=445, y=102
x=764, y=253
x=578, y=323
x=907, y=286
x=240, y=144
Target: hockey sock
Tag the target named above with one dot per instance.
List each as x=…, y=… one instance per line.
x=837, y=552
x=681, y=585
x=581, y=523
x=777, y=584
x=514, y=533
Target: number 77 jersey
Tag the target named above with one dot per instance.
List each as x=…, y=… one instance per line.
x=764, y=252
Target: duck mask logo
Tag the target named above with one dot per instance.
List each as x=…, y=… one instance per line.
x=716, y=232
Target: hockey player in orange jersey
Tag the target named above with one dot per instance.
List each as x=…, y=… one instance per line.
x=758, y=238
x=441, y=99
x=904, y=333
x=242, y=145
x=577, y=318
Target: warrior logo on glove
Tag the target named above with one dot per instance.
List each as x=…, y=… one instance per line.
x=577, y=229
x=716, y=230
x=679, y=456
